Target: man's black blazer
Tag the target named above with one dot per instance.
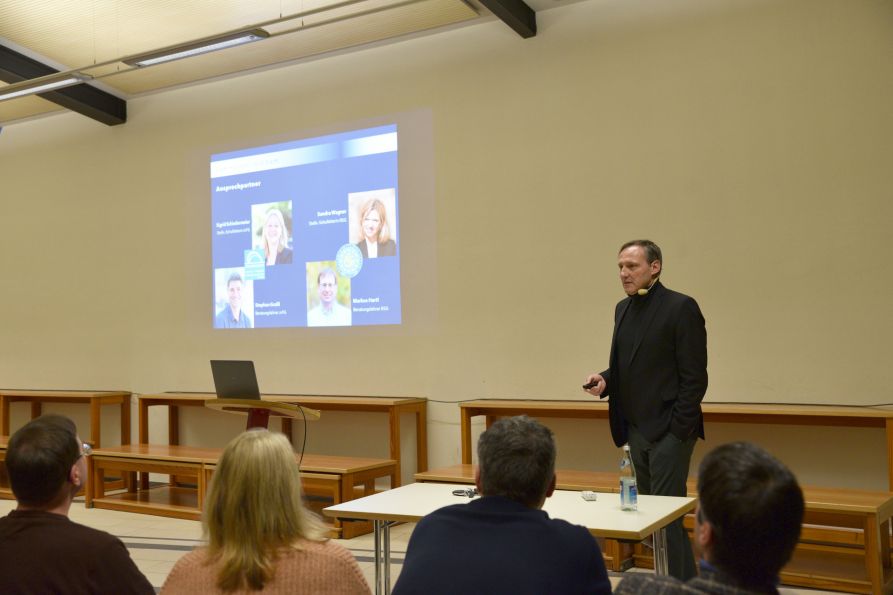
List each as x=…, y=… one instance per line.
x=666, y=376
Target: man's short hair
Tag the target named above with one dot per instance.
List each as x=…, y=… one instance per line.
x=39, y=458
x=325, y=272
x=652, y=250
x=517, y=460
x=235, y=276
x=755, y=508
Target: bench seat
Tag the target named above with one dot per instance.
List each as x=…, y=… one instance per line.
x=332, y=477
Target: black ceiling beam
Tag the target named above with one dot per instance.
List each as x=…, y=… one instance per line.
x=514, y=13
x=83, y=98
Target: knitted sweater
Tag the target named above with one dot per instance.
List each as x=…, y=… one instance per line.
x=318, y=567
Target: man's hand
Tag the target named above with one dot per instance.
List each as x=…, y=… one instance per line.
x=596, y=385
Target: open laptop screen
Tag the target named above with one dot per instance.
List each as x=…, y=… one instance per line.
x=235, y=379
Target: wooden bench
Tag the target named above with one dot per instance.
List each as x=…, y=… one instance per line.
x=338, y=478
x=845, y=542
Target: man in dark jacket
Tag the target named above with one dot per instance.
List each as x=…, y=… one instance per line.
x=41, y=549
x=656, y=380
x=502, y=542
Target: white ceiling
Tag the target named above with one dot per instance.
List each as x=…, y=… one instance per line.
x=93, y=37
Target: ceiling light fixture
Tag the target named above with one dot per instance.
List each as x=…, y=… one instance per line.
x=199, y=47
x=42, y=85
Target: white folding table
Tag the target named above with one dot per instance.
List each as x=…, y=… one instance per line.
x=602, y=517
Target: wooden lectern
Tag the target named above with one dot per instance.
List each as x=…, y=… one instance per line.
x=259, y=411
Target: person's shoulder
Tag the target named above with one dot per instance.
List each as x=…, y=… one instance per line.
x=190, y=571
x=97, y=536
x=446, y=512
x=326, y=549
x=570, y=531
x=334, y=568
x=194, y=559
x=678, y=296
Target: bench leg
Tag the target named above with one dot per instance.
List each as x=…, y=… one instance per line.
x=877, y=554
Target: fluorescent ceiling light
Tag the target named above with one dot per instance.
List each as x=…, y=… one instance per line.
x=200, y=47
x=32, y=88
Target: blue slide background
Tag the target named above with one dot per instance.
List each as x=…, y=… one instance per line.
x=313, y=188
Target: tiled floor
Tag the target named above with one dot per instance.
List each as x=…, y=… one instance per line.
x=156, y=543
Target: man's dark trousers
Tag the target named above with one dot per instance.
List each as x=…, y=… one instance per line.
x=662, y=470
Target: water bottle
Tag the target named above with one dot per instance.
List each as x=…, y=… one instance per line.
x=629, y=494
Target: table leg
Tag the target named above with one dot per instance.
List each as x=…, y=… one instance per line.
x=95, y=423
x=660, y=551
x=4, y=416
x=874, y=564
x=143, y=435
x=36, y=409
x=890, y=453
x=173, y=433
x=421, y=433
x=286, y=428
x=125, y=420
x=173, y=424
x=465, y=427
x=376, y=533
x=394, y=416
x=386, y=532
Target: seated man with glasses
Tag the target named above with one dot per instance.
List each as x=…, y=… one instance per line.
x=41, y=550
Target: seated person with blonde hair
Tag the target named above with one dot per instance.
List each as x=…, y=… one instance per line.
x=260, y=536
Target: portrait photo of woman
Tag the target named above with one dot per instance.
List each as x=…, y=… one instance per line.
x=275, y=238
x=270, y=224
x=376, y=235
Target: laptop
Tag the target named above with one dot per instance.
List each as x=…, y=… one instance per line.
x=235, y=379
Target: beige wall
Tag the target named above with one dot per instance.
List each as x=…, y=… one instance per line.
x=751, y=138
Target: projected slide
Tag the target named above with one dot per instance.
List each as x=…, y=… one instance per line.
x=305, y=233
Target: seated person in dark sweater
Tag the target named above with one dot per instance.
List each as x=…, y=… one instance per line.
x=503, y=542
x=747, y=523
x=41, y=550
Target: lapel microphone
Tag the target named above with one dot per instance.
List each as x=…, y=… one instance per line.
x=647, y=289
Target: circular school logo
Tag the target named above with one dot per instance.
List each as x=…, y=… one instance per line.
x=349, y=260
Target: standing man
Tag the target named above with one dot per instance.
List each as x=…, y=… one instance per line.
x=656, y=380
x=232, y=315
x=41, y=550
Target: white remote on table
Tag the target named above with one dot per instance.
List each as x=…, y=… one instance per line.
x=589, y=495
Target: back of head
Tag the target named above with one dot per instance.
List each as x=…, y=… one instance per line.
x=755, y=508
x=39, y=459
x=516, y=456
x=254, y=508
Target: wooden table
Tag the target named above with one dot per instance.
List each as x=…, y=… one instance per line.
x=800, y=415
x=96, y=399
x=602, y=517
x=393, y=406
